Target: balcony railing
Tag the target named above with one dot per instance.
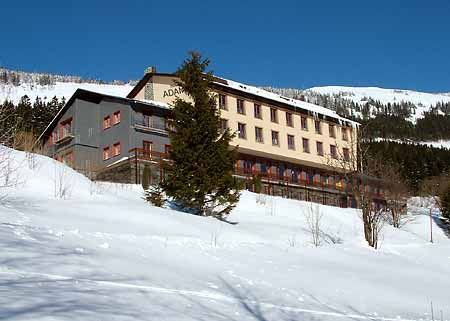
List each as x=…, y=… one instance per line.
x=151, y=126
x=147, y=155
x=140, y=154
x=64, y=136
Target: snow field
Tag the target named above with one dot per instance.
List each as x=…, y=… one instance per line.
x=101, y=253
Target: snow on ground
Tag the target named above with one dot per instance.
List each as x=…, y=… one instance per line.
x=422, y=100
x=101, y=253
x=60, y=89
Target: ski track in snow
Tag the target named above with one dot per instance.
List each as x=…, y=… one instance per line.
x=203, y=295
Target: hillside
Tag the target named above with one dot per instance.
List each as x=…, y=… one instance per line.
x=16, y=84
x=101, y=253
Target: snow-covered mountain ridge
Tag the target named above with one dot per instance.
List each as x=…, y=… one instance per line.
x=15, y=84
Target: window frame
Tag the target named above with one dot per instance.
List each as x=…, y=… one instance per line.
x=344, y=131
x=223, y=105
x=258, y=115
x=307, y=149
x=317, y=127
x=240, y=131
x=304, y=123
x=333, y=155
x=332, y=130
x=242, y=112
x=116, y=118
x=106, y=153
x=319, y=150
x=222, y=121
x=256, y=135
x=346, y=154
x=114, y=149
x=106, y=122
x=291, y=146
x=274, y=115
x=277, y=134
x=289, y=119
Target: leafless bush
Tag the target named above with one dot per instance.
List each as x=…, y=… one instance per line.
x=361, y=172
x=62, y=184
x=261, y=199
x=271, y=206
x=9, y=175
x=313, y=220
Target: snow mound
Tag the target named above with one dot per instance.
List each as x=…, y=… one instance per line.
x=102, y=253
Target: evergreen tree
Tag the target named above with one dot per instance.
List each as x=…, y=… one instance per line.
x=155, y=195
x=199, y=179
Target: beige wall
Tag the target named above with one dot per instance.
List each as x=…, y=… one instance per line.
x=162, y=85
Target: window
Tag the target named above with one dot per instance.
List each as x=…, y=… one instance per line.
x=106, y=122
x=241, y=131
x=116, y=149
x=240, y=106
x=147, y=148
x=147, y=120
x=319, y=147
x=305, y=144
x=223, y=124
x=304, y=123
x=332, y=130
x=289, y=120
x=317, y=127
x=222, y=102
x=291, y=142
x=333, y=151
x=257, y=110
x=259, y=135
x=275, y=140
x=346, y=153
x=65, y=128
x=344, y=134
x=116, y=118
x=273, y=115
x=106, y=153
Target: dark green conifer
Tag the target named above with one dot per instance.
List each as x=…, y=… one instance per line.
x=199, y=178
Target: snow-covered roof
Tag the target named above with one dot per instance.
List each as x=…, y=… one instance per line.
x=314, y=109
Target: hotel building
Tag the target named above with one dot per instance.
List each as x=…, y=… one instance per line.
x=287, y=142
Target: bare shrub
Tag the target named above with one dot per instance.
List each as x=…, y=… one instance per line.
x=359, y=170
x=62, y=184
x=261, y=199
x=313, y=218
x=9, y=174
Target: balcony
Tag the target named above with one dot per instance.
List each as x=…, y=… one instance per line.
x=64, y=136
x=149, y=126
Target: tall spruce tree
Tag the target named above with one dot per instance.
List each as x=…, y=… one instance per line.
x=199, y=179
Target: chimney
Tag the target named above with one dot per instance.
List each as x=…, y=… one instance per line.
x=150, y=70
x=302, y=98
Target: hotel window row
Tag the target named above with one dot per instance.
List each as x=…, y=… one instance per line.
x=242, y=133
x=257, y=112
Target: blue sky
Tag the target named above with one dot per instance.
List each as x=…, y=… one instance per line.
x=391, y=44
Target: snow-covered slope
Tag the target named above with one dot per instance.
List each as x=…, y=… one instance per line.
x=59, y=89
x=360, y=95
x=102, y=253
